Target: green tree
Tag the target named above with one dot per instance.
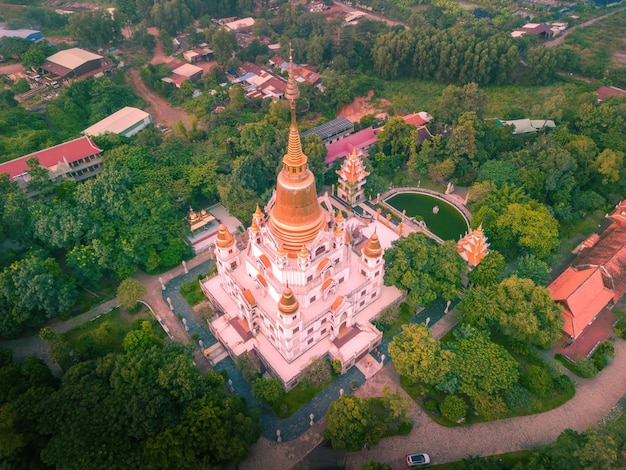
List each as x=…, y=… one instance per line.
x=224, y=44
x=531, y=267
x=489, y=271
x=20, y=86
x=349, y=424
x=520, y=309
x=268, y=390
x=129, y=292
x=142, y=336
x=426, y=270
x=32, y=290
x=483, y=366
x=419, y=356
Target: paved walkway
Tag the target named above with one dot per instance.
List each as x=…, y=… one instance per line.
x=593, y=400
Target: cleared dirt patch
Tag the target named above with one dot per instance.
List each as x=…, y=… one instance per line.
x=362, y=106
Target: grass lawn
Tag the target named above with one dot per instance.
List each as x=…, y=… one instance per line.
x=406, y=313
x=192, y=293
x=104, y=334
x=508, y=460
x=298, y=396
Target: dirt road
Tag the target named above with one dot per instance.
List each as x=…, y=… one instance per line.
x=11, y=68
x=561, y=38
x=158, y=107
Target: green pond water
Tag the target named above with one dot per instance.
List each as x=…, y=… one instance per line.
x=447, y=224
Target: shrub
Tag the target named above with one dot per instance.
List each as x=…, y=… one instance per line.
x=387, y=317
x=453, y=408
x=431, y=405
x=491, y=407
x=337, y=366
x=246, y=365
x=195, y=336
x=268, y=390
x=405, y=427
x=518, y=398
x=565, y=384
x=376, y=466
x=317, y=372
x=538, y=380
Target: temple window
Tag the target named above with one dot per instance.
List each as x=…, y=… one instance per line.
x=323, y=331
x=323, y=321
x=320, y=250
x=340, y=280
x=310, y=331
x=312, y=299
x=362, y=303
x=310, y=341
x=309, y=278
x=296, y=329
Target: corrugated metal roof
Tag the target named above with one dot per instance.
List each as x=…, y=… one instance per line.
x=73, y=58
x=117, y=122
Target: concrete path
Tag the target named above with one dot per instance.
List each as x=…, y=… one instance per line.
x=593, y=400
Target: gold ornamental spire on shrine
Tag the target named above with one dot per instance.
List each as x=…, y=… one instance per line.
x=297, y=217
x=295, y=159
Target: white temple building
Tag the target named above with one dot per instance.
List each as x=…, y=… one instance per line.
x=307, y=284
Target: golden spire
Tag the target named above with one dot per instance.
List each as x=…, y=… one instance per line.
x=288, y=304
x=339, y=217
x=373, y=248
x=297, y=216
x=292, y=93
x=258, y=213
x=254, y=227
x=281, y=251
x=304, y=253
x=338, y=231
x=224, y=238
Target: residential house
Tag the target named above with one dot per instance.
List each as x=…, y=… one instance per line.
x=525, y=126
x=30, y=34
x=538, y=29
x=359, y=142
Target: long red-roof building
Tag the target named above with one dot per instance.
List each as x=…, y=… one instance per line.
x=596, y=279
x=76, y=160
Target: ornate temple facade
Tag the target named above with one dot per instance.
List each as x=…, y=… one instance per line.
x=352, y=177
x=302, y=287
x=473, y=247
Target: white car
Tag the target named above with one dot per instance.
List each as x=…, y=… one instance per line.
x=417, y=460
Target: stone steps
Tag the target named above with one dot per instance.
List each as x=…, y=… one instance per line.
x=216, y=353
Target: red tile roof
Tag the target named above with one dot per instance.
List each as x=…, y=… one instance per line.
x=606, y=91
x=583, y=294
x=416, y=119
x=66, y=152
x=344, y=147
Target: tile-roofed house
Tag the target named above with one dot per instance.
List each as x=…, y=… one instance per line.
x=360, y=141
x=596, y=278
x=605, y=91
x=420, y=120
x=76, y=160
